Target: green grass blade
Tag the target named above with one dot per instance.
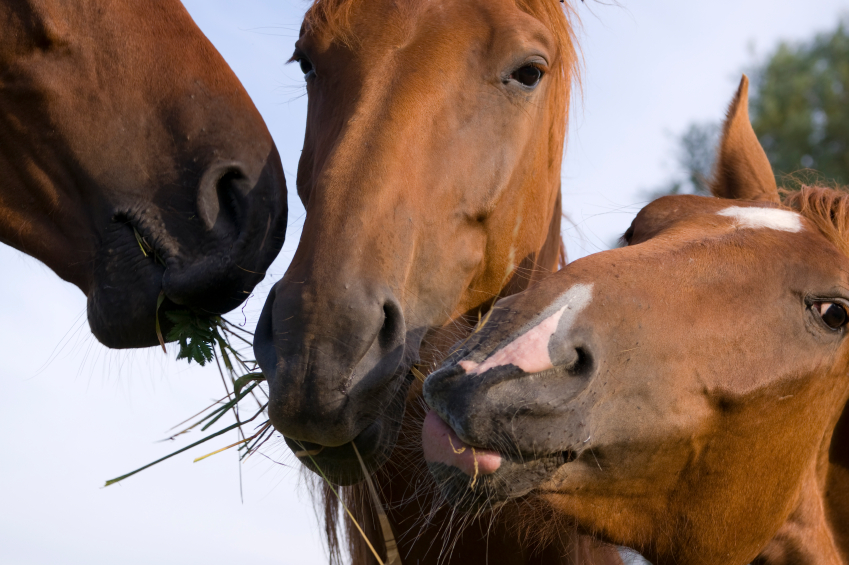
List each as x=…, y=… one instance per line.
x=188, y=447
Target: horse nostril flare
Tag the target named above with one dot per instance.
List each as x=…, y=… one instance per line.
x=582, y=362
x=229, y=190
x=221, y=197
x=393, y=326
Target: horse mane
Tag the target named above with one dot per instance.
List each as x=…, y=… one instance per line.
x=331, y=18
x=827, y=208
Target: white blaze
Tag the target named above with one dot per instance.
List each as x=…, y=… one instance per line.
x=771, y=218
x=529, y=351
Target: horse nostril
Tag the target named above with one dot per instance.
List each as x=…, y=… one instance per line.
x=229, y=190
x=391, y=332
x=581, y=362
x=221, y=198
x=264, y=351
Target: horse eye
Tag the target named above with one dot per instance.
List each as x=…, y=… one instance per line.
x=834, y=315
x=529, y=75
x=306, y=67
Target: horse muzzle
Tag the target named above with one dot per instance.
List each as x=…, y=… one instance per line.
x=209, y=261
x=336, y=374
x=472, y=478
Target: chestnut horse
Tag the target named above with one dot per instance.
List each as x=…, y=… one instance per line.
x=134, y=163
x=431, y=179
x=684, y=395
x=431, y=165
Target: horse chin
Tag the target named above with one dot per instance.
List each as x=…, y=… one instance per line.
x=122, y=303
x=514, y=479
x=375, y=444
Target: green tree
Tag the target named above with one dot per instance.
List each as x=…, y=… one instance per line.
x=799, y=103
x=801, y=108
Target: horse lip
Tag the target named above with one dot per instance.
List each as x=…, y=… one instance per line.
x=439, y=396
x=446, y=371
x=145, y=232
x=339, y=464
x=122, y=299
x=513, y=480
x=375, y=443
x=264, y=350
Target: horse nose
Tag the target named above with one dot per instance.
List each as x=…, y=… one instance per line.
x=221, y=198
x=470, y=393
x=239, y=227
x=264, y=352
x=391, y=332
x=326, y=359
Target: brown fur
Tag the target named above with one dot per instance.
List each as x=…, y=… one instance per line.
x=332, y=18
x=536, y=530
x=710, y=426
x=742, y=167
x=119, y=116
x=374, y=161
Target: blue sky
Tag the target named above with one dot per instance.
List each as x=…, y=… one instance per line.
x=73, y=414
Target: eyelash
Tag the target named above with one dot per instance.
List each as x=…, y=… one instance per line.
x=304, y=62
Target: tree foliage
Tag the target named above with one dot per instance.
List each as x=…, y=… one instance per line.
x=799, y=105
x=801, y=108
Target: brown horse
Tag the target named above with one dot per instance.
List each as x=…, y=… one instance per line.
x=133, y=161
x=431, y=179
x=684, y=395
x=431, y=166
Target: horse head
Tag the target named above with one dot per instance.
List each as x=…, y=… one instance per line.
x=135, y=164
x=431, y=164
x=678, y=395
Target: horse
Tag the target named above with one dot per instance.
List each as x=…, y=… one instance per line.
x=423, y=184
x=684, y=395
x=135, y=165
x=430, y=175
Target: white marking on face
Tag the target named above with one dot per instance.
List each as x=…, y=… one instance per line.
x=771, y=218
x=529, y=351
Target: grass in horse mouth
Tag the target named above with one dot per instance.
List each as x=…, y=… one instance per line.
x=205, y=339
x=146, y=248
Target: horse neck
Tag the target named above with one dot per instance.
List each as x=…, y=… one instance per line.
x=810, y=536
x=817, y=530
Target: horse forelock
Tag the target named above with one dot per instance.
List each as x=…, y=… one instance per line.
x=331, y=18
x=827, y=208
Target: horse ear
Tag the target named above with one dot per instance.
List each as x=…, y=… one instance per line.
x=742, y=169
